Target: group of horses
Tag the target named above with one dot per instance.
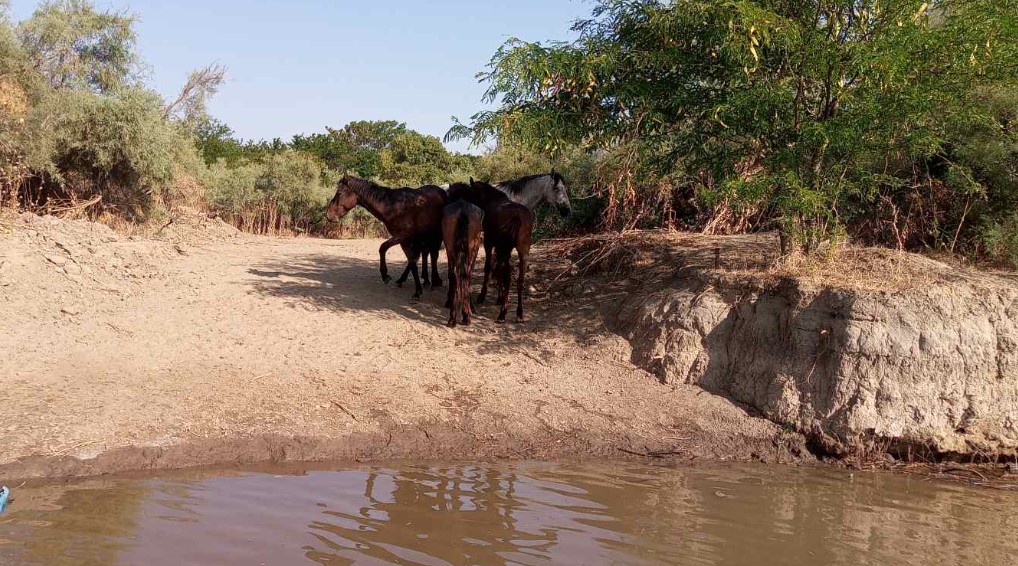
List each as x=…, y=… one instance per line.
x=460, y=216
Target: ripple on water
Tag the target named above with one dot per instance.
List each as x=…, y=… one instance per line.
x=523, y=514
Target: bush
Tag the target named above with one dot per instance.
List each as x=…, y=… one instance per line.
x=117, y=148
x=284, y=194
x=1000, y=241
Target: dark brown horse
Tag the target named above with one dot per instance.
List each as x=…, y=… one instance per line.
x=507, y=226
x=433, y=249
x=461, y=232
x=413, y=218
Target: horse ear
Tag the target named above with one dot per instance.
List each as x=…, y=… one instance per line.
x=471, y=180
x=553, y=172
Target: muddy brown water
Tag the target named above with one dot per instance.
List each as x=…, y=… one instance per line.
x=511, y=514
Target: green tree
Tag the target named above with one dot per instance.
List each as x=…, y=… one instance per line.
x=216, y=141
x=354, y=147
x=817, y=113
x=413, y=159
x=80, y=48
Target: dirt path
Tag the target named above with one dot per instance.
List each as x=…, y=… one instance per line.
x=255, y=348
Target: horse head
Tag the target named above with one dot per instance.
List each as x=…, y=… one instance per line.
x=558, y=195
x=343, y=201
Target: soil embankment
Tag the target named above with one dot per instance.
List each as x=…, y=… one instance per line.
x=208, y=346
x=875, y=352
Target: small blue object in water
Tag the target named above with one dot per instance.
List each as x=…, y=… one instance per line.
x=4, y=493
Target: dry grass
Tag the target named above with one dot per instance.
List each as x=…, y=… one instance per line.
x=751, y=259
x=13, y=101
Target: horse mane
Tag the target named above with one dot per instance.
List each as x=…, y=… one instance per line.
x=381, y=192
x=516, y=185
x=487, y=194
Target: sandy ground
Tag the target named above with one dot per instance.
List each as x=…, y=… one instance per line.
x=124, y=353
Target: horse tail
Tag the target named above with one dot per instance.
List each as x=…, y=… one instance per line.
x=461, y=258
x=462, y=239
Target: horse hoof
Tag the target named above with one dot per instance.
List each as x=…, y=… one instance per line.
x=386, y=279
x=415, y=299
x=500, y=320
x=465, y=322
x=520, y=319
x=451, y=323
x=400, y=284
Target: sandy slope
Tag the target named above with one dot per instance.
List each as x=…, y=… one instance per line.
x=119, y=353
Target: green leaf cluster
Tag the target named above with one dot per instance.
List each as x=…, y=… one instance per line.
x=817, y=116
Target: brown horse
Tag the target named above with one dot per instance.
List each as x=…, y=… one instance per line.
x=507, y=226
x=461, y=232
x=413, y=218
x=433, y=250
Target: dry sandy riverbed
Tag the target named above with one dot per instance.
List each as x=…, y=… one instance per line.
x=126, y=353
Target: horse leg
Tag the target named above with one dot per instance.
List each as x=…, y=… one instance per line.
x=452, y=287
x=402, y=278
x=415, y=252
x=489, y=259
x=384, y=269
x=436, y=281
x=522, y=252
x=453, y=300
x=467, y=308
x=503, y=278
x=507, y=282
x=424, y=266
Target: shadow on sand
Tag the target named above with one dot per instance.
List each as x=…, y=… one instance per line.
x=338, y=283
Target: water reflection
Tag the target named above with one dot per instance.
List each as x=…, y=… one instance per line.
x=525, y=514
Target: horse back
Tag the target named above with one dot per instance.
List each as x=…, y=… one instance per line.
x=509, y=223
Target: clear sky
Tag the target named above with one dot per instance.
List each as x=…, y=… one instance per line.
x=298, y=66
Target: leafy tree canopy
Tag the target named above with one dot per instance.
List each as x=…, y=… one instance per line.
x=814, y=110
x=78, y=47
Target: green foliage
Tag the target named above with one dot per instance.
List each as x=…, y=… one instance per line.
x=74, y=126
x=817, y=115
x=386, y=151
x=118, y=147
x=507, y=163
x=285, y=192
x=356, y=147
x=413, y=159
x=216, y=142
x=578, y=168
x=272, y=186
x=80, y=48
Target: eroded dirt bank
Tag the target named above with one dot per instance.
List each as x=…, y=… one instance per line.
x=206, y=346
x=875, y=352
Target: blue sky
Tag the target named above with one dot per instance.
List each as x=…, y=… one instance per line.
x=296, y=67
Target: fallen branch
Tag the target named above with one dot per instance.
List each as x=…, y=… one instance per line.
x=164, y=226
x=344, y=409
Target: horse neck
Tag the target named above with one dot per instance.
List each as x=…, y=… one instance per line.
x=533, y=193
x=372, y=198
x=487, y=196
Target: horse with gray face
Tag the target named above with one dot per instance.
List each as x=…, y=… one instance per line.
x=534, y=190
x=531, y=191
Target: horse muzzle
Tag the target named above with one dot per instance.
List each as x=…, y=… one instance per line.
x=565, y=211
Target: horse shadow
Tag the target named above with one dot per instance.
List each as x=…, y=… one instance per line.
x=324, y=282
x=339, y=283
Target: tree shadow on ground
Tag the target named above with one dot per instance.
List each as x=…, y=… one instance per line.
x=339, y=283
